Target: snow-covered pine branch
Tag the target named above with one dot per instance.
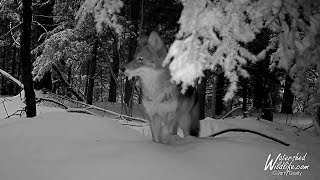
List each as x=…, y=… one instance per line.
x=63, y=45
x=299, y=47
x=209, y=35
x=104, y=11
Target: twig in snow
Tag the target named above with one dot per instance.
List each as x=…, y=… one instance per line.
x=77, y=110
x=4, y=106
x=53, y=101
x=133, y=125
x=310, y=126
x=249, y=131
x=230, y=112
x=15, y=113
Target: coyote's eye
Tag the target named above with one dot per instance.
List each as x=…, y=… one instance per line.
x=140, y=59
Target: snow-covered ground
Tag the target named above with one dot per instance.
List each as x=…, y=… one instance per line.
x=59, y=145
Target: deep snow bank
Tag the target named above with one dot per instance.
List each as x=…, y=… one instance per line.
x=66, y=146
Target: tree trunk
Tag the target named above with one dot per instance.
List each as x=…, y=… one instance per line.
x=244, y=95
x=220, y=93
x=69, y=74
x=19, y=69
x=128, y=91
x=229, y=105
x=115, y=67
x=258, y=92
x=287, y=96
x=26, y=59
x=101, y=82
x=69, y=71
x=87, y=78
x=201, y=93
x=92, y=71
x=129, y=83
x=3, y=67
x=13, y=71
x=213, y=96
x=267, y=110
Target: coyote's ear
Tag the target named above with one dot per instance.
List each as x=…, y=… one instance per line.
x=155, y=40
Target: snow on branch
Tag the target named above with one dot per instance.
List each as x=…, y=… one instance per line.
x=298, y=51
x=209, y=35
x=65, y=45
x=11, y=78
x=104, y=12
x=214, y=32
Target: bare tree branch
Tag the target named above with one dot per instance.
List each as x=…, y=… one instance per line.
x=65, y=82
x=15, y=40
x=11, y=29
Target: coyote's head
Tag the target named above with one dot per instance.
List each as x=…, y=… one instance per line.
x=148, y=58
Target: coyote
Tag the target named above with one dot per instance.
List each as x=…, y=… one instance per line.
x=166, y=106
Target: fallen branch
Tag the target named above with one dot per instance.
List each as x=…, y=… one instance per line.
x=7, y=75
x=132, y=125
x=249, y=131
x=304, y=129
x=53, y=101
x=230, y=112
x=129, y=118
x=78, y=110
x=88, y=107
x=68, y=109
x=116, y=114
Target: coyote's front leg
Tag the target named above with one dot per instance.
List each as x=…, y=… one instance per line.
x=164, y=129
x=155, y=123
x=168, y=130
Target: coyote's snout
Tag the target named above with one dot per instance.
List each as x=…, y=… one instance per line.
x=167, y=108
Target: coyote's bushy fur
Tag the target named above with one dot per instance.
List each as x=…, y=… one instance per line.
x=167, y=108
